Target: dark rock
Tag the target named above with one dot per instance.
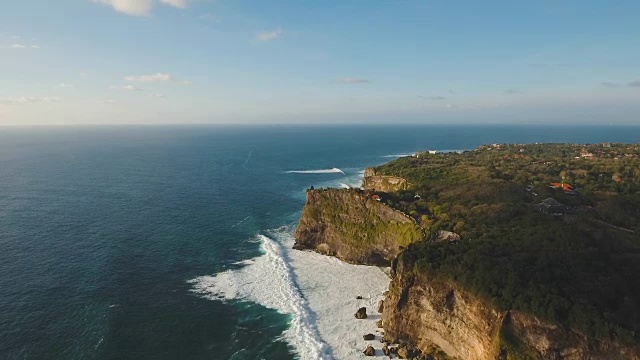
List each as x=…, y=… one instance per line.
x=407, y=352
x=361, y=313
x=386, y=351
x=403, y=353
x=393, y=350
x=358, y=297
x=369, y=337
x=380, y=306
x=369, y=351
x=379, y=323
x=298, y=246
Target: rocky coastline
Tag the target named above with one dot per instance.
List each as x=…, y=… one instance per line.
x=423, y=317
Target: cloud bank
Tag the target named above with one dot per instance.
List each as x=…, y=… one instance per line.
x=139, y=7
x=157, y=77
x=28, y=100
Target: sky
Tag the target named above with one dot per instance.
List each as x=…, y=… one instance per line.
x=319, y=61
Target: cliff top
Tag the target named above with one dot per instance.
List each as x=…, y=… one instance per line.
x=573, y=260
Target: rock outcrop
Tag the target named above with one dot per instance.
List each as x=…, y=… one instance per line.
x=369, y=351
x=385, y=183
x=435, y=314
x=361, y=313
x=348, y=224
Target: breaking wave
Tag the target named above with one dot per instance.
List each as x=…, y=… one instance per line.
x=321, y=171
x=268, y=280
x=397, y=155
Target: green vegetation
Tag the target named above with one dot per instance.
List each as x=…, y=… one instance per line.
x=579, y=269
x=361, y=228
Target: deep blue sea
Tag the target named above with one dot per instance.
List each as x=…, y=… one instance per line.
x=102, y=228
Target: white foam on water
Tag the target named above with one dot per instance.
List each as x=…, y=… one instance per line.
x=269, y=281
x=318, y=291
x=345, y=186
x=320, y=171
x=330, y=288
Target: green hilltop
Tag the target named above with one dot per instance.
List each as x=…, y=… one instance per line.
x=548, y=229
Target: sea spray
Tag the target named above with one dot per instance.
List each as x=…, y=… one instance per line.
x=331, y=288
x=268, y=280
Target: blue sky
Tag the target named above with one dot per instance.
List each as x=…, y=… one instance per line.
x=240, y=61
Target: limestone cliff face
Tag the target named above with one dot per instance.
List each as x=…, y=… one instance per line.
x=348, y=224
x=385, y=183
x=427, y=312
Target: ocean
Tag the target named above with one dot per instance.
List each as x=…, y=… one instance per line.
x=173, y=242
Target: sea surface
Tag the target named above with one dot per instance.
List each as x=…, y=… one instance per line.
x=112, y=238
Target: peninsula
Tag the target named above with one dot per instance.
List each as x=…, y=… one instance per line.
x=508, y=251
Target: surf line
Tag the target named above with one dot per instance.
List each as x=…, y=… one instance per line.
x=247, y=161
x=320, y=171
x=241, y=221
x=269, y=280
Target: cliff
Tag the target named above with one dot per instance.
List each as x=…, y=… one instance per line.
x=348, y=224
x=385, y=183
x=513, y=282
x=430, y=312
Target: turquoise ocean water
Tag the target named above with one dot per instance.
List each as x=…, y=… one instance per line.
x=101, y=228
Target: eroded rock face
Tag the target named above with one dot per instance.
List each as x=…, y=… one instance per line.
x=384, y=183
x=348, y=224
x=428, y=312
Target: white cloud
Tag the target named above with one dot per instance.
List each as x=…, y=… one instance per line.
x=159, y=96
x=110, y=101
x=180, y=4
x=131, y=88
x=28, y=100
x=140, y=7
x=129, y=7
x=269, y=35
x=158, y=77
x=126, y=88
x=352, y=80
x=64, y=86
x=24, y=46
